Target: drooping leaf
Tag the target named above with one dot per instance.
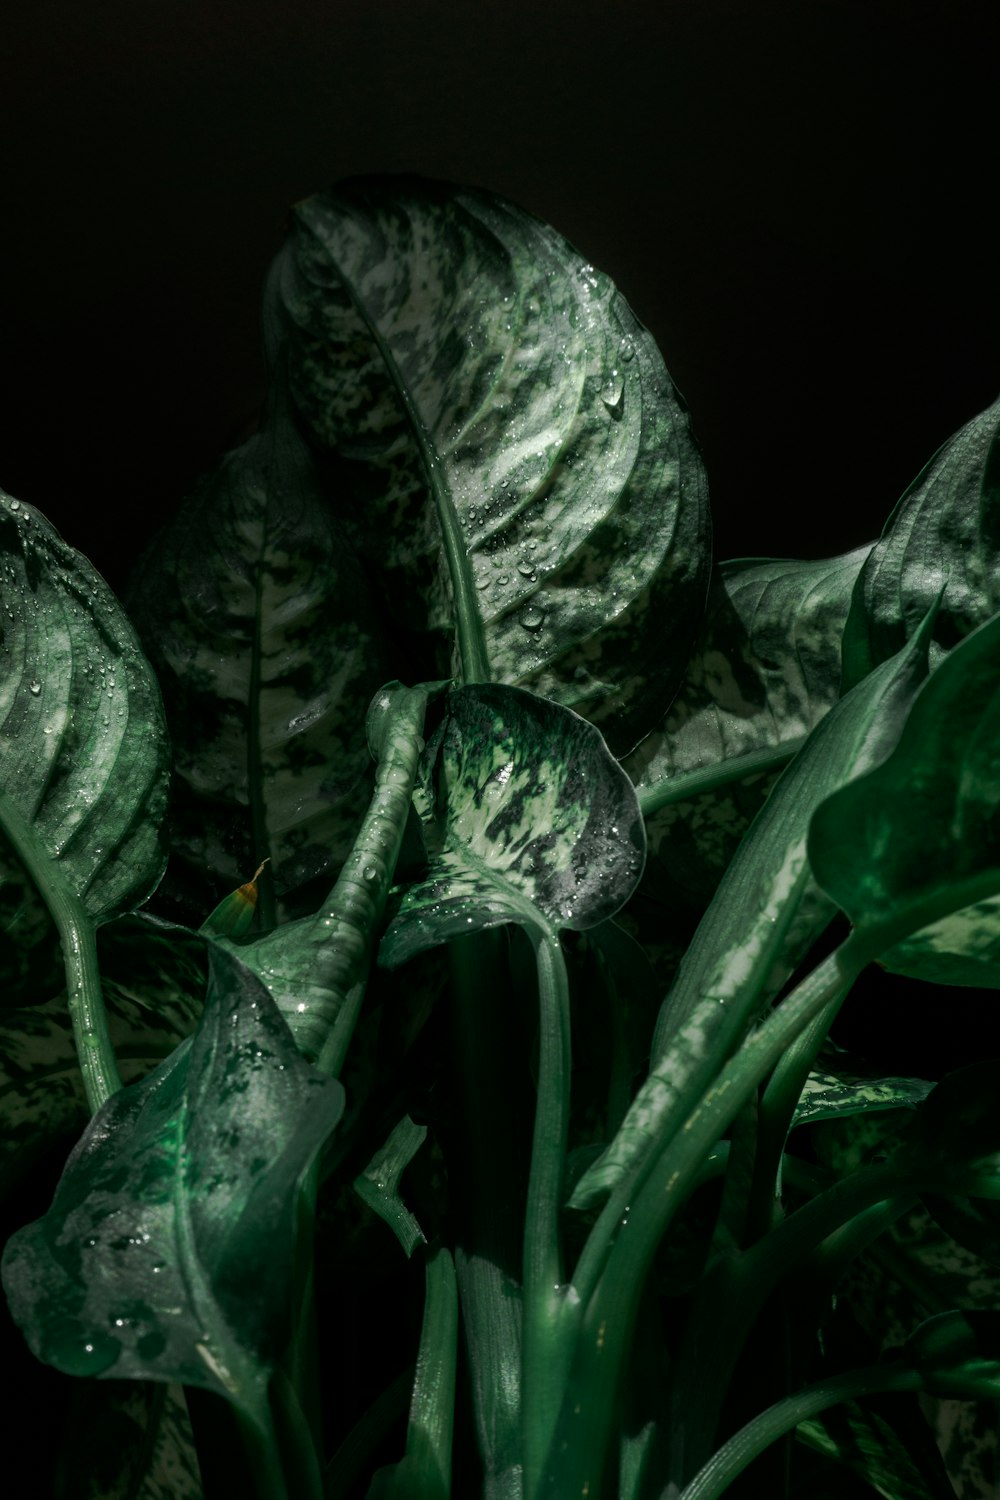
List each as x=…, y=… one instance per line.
x=509, y=452
x=827, y=1096
x=378, y=1184
x=259, y=623
x=765, y=915
x=83, y=751
x=765, y=669
x=944, y=532
x=528, y=818
x=911, y=851
x=167, y=1251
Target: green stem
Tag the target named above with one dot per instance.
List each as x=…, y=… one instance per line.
x=688, y=784
x=610, y=1276
x=547, y=1327
x=784, y=1416
x=77, y=935
x=260, y=1445
x=729, y=1300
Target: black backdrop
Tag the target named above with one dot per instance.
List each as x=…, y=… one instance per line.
x=795, y=197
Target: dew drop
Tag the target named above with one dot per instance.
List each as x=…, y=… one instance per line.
x=369, y=872
x=15, y=505
x=526, y=568
x=626, y=350
x=532, y=618
x=613, y=392
x=34, y=688
x=504, y=578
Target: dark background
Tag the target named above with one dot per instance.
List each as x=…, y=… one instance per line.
x=795, y=197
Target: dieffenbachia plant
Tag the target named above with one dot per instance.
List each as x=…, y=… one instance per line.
x=439, y=840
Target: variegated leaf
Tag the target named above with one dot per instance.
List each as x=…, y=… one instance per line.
x=130, y=1440
x=943, y=533
x=827, y=1097
x=259, y=623
x=83, y=751
x=528, y=818
x=511, y=456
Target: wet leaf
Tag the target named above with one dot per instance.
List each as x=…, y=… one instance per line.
x=828, y=1097
x=378, y=1184
x=528, y=818
x=912, y=849
x=83, y=752
x=258, y=621
x=509, y=453
x=944, y=532
x=168, y=1249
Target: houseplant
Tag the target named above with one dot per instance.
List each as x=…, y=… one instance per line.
x=634, y=820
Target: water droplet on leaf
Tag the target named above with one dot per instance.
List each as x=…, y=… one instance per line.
x=532, y=618
x=34, y=688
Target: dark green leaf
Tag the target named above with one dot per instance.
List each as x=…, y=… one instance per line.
x=83, y=752
x=513, y=459
x=766, y=913
x=259, y=623
x=153, y=980
x=30, y=961
x=958, y=1354
x=528, y=817
x=956, y=1133
x=827, y=1096
x=944, y=531
x=168, y=1248
x=128, y=1440
x=378, y=1184
x=912, y=849
x=877, y=1441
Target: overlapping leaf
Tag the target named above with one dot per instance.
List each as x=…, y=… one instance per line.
x=129, y=1440
x=510, y=452
x=912, y=849
x=168, y=1248
x=83, y=752
x=944, y=532
x=766, y=913
x=528, y=818
x=764, y=671
x=258, y=622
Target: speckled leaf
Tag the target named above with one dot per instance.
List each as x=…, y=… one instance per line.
x=765, y=915
x=875, y=1440
x=944, y=532
x=764, y=671
x=258, y=622
x=528, y=818
x=83, y=753
x=153, y=983
x=168, y=1248
x=129, y=1440
x=912, y=849
x=827, y=1097
x=511, y=454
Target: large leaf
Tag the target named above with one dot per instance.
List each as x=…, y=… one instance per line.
x=153, y=983
x=83, y=751
x=884, y=1444
x=528, y=818
x=259, y=623
x=912, y=849
x=945, y=531
x=513, y=459
x=168, y=1248
x=766, y=913
x=128, y=1440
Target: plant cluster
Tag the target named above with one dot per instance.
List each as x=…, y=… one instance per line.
x=536, y=796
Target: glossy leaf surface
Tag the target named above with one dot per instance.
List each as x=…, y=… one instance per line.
x=168, y=1248
x=511, y=454
x=528, y=818
x=766, y=913
x=897, y=847
x=944, y=532
x=83, y=751
x=258, y=622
